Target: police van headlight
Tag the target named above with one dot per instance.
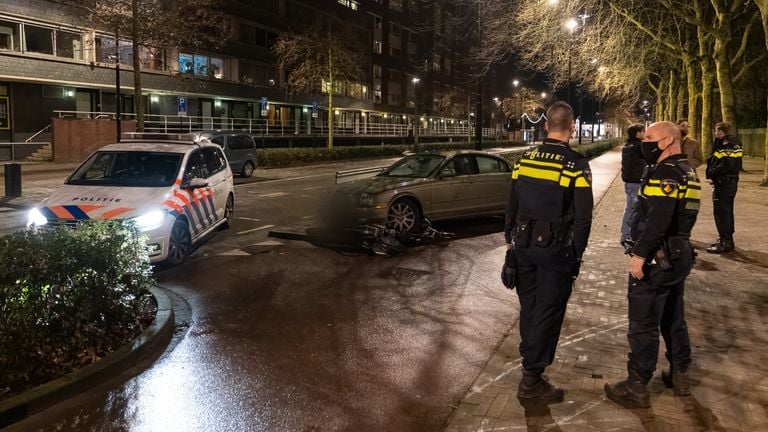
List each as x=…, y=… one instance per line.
x=36, y=218
x=150, y=220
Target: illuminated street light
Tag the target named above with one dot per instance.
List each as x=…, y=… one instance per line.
x=543, y=95
x=416, y=80
x=515, y=83
x=553, y=2
x=496, y=100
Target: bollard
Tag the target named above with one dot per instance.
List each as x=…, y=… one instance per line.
x=13, y=180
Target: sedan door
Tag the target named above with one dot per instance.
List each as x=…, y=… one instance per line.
x=450, y=193
x=489, y=188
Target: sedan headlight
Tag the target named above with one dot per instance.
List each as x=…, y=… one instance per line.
x=36, y=218
x=150, y=220
x=366, y=199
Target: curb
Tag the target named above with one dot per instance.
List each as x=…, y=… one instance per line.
x=45, y=395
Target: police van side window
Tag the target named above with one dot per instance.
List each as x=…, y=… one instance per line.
x=214, y=160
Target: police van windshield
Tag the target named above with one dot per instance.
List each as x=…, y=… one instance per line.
x=132, y=169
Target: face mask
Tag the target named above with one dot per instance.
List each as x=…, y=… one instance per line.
x=651, y=151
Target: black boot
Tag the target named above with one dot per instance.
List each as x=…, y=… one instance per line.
x=535, y=386
x=630, y=393
x=677, y=381
x=723, y=245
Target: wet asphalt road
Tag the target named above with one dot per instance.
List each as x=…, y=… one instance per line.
x=280, y=335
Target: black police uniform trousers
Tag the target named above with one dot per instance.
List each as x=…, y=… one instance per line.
x=544, y=286
x=656, y=305
x=723, y=195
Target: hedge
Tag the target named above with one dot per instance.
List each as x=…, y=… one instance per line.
x=68, y=296
x=591, y=150
x=285, y=157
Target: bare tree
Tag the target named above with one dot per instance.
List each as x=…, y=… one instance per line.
x=153, y=25
x=321, y=58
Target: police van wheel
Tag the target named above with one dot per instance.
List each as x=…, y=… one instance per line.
x=403, y=216
x=248, y=169
x=179, y=244
x=229, y=212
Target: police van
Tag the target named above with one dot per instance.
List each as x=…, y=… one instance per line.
x=176, y=188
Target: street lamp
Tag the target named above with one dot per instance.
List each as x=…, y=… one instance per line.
x=543, y=95
x=515, y=83
x=415, y=80
x=571, y=25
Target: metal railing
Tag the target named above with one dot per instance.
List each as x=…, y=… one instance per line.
x=37, y=134
x=13, y=151
x=753, y=142
x=268, y=127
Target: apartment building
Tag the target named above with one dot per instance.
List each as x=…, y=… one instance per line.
x=54, y=62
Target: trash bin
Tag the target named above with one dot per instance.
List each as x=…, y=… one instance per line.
x=13, y=180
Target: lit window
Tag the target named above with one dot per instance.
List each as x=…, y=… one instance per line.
x=349, y=3
x=377, y=47
x=202, y=66
x=69, y=45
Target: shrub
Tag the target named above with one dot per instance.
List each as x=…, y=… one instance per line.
x=285, y=157
x=68, y=296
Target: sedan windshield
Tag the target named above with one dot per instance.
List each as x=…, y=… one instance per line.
x=132, y=169
x=414, y=166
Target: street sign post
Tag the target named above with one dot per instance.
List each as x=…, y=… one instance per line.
x=314, y=109
x=264, y=106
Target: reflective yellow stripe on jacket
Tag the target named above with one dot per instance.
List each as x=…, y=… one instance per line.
x=548, y=171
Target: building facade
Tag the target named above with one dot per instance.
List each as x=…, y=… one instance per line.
x=54, y=63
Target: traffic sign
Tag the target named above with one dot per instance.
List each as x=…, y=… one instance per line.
x=264, y=106
x=314, y=109
x=182, y=106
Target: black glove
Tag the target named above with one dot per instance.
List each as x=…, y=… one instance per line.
x=575, y=269
x=509, y=270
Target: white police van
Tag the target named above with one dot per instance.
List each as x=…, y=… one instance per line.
x=177, y=189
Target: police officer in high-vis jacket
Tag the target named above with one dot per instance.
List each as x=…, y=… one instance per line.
x=723, y=168
x=549, y=216
x=662, y=258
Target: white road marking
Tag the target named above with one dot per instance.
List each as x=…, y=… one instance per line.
x=313, y=188
x=256, y=229
x=235, y=252
x=249, y=219
x=308, y=217
x=273, y=195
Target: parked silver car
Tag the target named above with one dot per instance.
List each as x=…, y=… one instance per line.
x=436, y=185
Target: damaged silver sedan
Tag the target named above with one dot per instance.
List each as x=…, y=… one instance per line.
x=432, y=186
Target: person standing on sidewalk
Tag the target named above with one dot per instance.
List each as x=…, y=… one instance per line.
x=691, y=148
x=723, y=168
x=662, y=258
x=632, y=167
x=548, y=220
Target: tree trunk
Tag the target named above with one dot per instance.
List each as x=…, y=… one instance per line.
x=763, y=6
x=725, y=83
x=693, y=99
x=723, y=67
x=681, y=94
x=330, y=90
x=707, y=80
x=138, y=100
x=672, y=96
x=708, y=83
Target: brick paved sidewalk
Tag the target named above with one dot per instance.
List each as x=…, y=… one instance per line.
x=727, y=313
